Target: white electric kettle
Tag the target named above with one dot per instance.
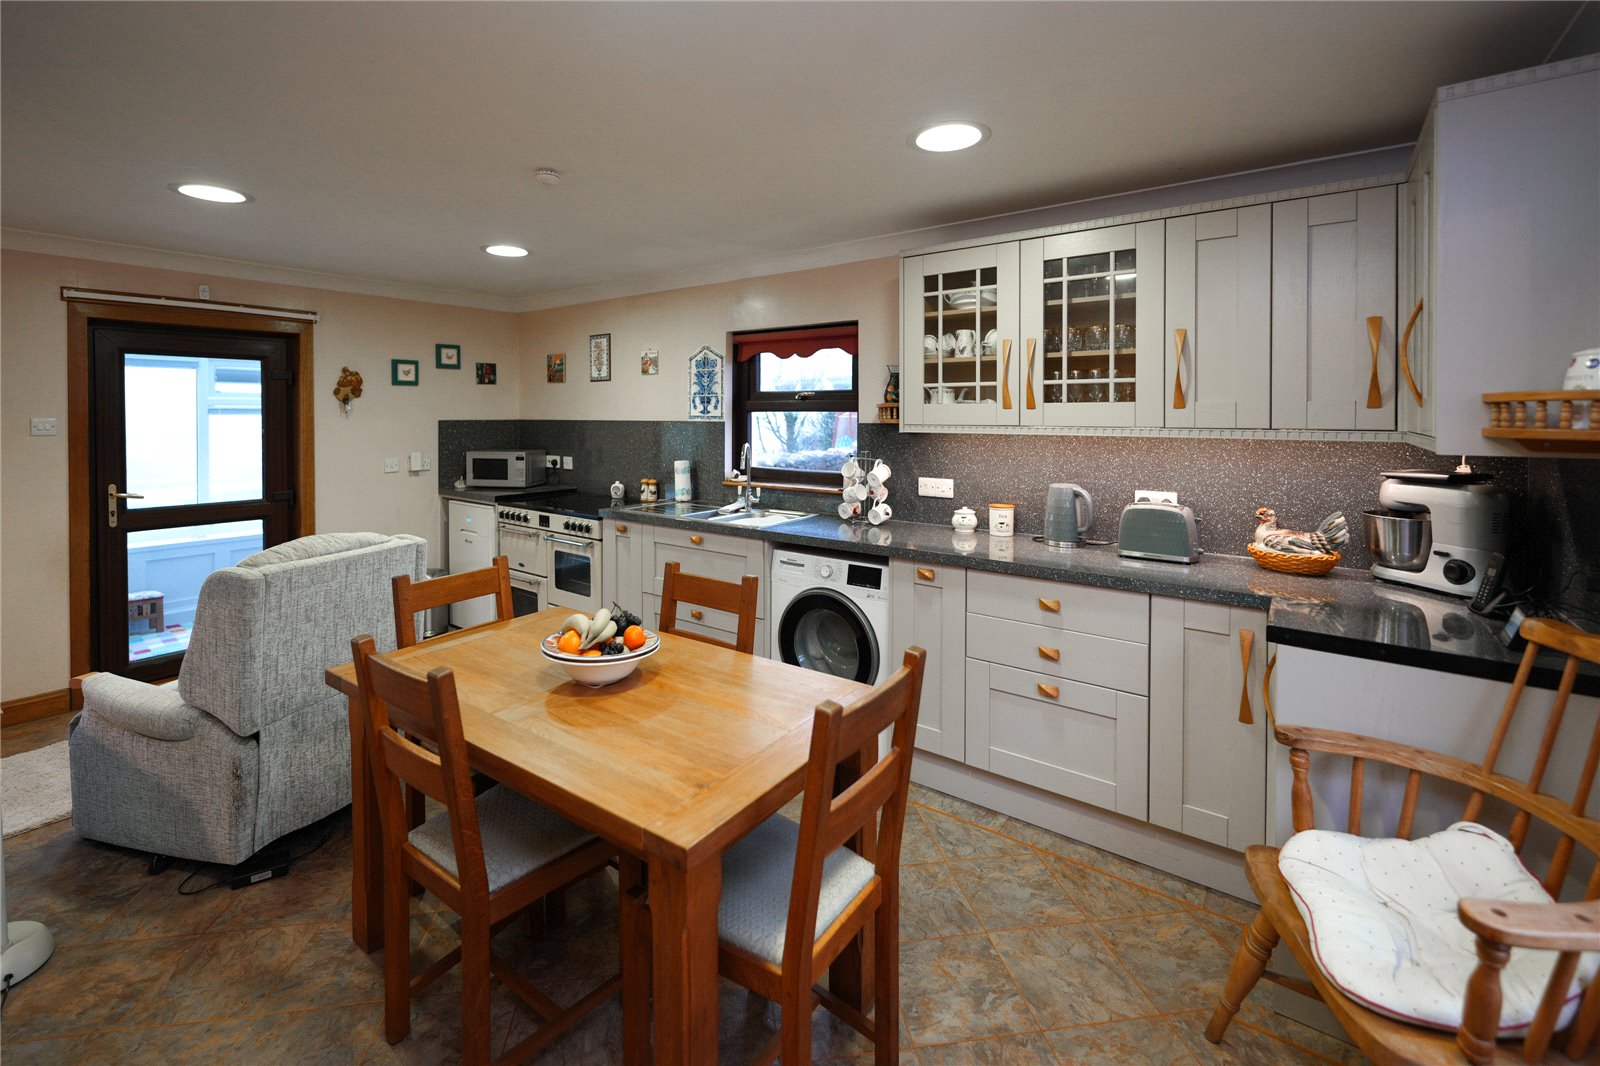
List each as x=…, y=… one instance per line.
x=1068, y=514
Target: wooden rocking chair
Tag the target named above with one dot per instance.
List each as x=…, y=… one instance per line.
x=1567, y=928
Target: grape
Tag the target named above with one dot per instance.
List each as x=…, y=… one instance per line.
x=624, y=618
x=613, y=647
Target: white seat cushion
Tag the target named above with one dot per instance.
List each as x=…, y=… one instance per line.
x=757, y=874
x=1384, y=927
x=519, y=836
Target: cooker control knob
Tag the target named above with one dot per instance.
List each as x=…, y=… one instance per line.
x=1459, y=572
x=824, y=571
x=587, y=528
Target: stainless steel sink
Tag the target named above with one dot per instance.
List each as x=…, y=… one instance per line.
x=757, y=518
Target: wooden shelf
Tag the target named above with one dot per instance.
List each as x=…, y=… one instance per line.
x=1542, y=421
x=1549, y=440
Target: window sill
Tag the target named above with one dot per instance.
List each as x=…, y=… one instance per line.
x=781, y=486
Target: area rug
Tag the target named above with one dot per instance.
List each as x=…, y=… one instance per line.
x=35, y=788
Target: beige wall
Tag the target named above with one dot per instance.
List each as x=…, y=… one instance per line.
x=678, y=322
x=353, y=493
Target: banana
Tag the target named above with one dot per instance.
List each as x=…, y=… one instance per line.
x=601, y=635
x=579, y=622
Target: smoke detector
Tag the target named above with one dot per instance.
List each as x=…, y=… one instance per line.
x=547, y=176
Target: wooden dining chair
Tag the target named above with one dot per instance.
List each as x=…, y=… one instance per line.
x=487, y=857
x=741, y=599
x=794, y=896
x=1565, y=929
x=411, y=597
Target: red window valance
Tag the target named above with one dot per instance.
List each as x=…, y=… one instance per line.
x=787, y=343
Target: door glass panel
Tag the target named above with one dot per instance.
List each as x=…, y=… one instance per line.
x=165, y=570
x=1090, y=351
x=193, y=429
x=960, y=349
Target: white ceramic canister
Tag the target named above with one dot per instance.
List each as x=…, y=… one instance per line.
x=965, y=519
x=1002, y=519
x=618, y=491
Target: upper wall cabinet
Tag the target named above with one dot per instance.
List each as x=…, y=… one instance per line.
x=1091, y=327
x=1219, y=319
x=1333, y=324
x=958, y=337
x=1415, y=372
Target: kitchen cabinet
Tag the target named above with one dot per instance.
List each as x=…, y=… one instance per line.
x=928, y=608
x=1333, y=277
x=958, y=337
x=712, y=555
x=1208, y=766
x=1055, y=683
x=622, y=569
x=1512, y=260
x=1414, y=409
x=1091, y=347
x=1218, y=333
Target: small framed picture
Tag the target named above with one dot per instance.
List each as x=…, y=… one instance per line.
x=555, y=367
x=403, y=371
x=600, y=357
x=447, y=356
x=650, y=361
x=485, y=373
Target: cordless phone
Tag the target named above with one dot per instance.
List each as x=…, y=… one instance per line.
x=1488, y=597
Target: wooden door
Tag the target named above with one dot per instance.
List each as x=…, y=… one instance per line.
x=1219, y=293
x=958, y=336
x=928, y=609
x=192, y=458
x=1333, y=271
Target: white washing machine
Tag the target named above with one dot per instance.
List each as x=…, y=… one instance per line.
x=830, y=613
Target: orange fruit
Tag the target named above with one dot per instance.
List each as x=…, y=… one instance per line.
x=592, y=651
x=570, y=642
x=633, y=638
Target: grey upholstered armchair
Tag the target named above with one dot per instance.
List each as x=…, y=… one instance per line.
x=250, y=744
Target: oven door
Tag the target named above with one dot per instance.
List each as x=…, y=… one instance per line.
x=573, y=578
x=525, y=594
x=524, y=551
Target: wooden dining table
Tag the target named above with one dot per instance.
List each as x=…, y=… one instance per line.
x=671, y=765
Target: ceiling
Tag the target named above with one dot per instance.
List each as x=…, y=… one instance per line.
x=387, y=143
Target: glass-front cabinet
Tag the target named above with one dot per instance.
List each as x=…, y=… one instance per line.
x=958, y=337
x=1091, y=347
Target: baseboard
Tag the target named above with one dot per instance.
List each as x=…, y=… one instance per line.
x=32, y=708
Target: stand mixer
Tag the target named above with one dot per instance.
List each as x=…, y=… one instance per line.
x=1436, y=531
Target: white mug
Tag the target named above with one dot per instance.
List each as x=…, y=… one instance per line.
x=851, y=470
x=880, y=514
x=947, y=343
x=848, y=510
x=966, y=342
x=855, y=493
x=874, y=480
x=930, y=344
x=880, y=468
x=1002, y=519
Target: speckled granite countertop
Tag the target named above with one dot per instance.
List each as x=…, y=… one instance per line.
x=479, y=495
x=1347, y=612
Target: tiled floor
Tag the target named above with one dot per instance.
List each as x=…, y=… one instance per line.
x=1020, y=947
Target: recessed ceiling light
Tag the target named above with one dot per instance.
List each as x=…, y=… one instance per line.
x=214, y=193
x=508, y=251
x=950, y=137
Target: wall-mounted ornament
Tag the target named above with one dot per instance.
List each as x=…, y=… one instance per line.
x=447, y=356
x=649, y=361
x=600, y=357
x=705, y=385
x=486, y=373
x=555, y=367
x=404, y=372
x=347, y=389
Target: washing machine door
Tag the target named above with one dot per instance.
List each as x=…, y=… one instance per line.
x=823, y=631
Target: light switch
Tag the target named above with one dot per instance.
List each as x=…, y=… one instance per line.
x=391, y=466
x=566, y=462
x=416, y=461
x=42, y=427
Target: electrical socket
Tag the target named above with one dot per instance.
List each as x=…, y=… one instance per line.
x=942, y=487
x=391, y=466
x=552, y=462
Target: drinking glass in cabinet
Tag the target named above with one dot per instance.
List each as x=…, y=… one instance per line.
x=1097, y=337
x=1052, y=339
x=1074, y=338
x=1124, y=334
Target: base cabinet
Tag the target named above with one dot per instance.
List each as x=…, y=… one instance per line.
x=723, y=558
x=928, y=609
x=622, y=566
x=1208, y=765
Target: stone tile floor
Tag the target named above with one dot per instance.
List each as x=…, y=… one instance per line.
x=1020, y=946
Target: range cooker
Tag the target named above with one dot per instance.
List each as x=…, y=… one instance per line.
x=552, y=544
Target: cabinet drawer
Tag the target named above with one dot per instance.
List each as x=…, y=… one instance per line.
x=1081, y=741
x=1081, y=608
x=1096, y=660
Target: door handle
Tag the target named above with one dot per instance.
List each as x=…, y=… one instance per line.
x=1405, y=361
x=1053, y=654
x=924, y=574
x=112, y=496
x=1178, y=401
x=1050, y=691
x=1053, y=606
x=697, y=539
x=1005, y=374
x=1247, y=641
x=552, y=538
x=1031, y=342
x=697, y=615
x=619, y=527
x=1374, y=338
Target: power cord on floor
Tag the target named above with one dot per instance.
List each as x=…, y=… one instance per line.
x=243, y=878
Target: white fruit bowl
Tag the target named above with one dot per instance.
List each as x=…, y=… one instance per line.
x=598, y=670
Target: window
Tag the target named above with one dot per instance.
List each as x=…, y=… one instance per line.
x=795, y=402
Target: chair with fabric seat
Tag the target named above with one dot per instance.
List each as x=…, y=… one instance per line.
x=413, y=597
x=741, y=600
x=487, y=857
x=1410, y=943
x=794, y=896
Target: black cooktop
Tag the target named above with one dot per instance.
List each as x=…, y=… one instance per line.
x=573, y=503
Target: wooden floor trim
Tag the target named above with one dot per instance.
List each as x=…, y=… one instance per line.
x=33, y=708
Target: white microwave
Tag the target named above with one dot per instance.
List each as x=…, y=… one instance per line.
x=505, y=470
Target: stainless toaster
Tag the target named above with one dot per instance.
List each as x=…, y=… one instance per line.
x=1163, y=531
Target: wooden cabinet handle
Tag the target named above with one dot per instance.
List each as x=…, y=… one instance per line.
x=1051, y=691
x=1053, y=654
x=619, y=527
x=1005, y=374
x=924, y=574
x=1178, y=337
x=697, y=539
x=1374, y=336
x=1031, y=342
x=1247, y=642
x=1405, y=363
x=1266, y=692
x=1053, y=606
x=697, y=615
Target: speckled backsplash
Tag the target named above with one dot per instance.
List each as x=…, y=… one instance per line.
x=1557, y=502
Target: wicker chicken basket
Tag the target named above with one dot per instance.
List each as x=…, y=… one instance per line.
x=1291, y=563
